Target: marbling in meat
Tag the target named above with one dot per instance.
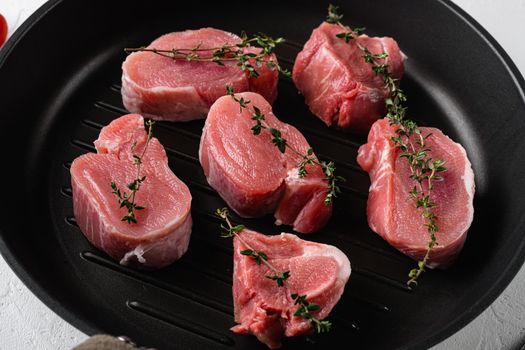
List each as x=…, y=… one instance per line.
x=162, y=232
x=394, y=216
x=264, y=309
x=252, y=175
x=338, y=85
x=177, y=90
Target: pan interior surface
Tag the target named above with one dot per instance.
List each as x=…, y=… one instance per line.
x=63, y=71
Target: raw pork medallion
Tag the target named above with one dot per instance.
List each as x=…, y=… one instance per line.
x=252, y=175
x=338, y=85
x=178, y=90
x=162, y=232
x=394, y=216
x=264, y=309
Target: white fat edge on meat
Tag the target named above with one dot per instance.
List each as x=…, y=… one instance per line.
x=138, y=252
x=111, y=146
x=342, y=260
x=199, y=107
x=130, y=92
x=468, y=173
x=293, y=176
x=385, y=168
x=470, y=186
x=384, y=171
x=162, y=89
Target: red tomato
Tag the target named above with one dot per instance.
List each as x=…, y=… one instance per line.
x=3, y=30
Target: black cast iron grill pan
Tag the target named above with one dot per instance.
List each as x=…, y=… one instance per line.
x=60, y=77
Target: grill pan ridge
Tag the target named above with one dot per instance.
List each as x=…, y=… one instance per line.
x=75, y=92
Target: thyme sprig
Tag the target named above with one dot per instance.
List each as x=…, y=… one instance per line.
x=409, y=139
x=128, y=199
x=335, y=18
x=305, y=307
x=227, y=52
x=259, y=257
x=277, y=139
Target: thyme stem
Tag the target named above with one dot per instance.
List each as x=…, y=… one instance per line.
x=305, y=307
x=306, y=159
x=227, y=53
x=181, y=54
x=409, y=139
x=128, y=200
x=223, y=213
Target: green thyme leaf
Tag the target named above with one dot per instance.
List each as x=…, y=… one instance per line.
x=408, y=138
x=125, y=199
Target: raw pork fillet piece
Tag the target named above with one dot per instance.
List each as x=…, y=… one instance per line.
x=338, y=85
x=394, y=216
x=162, y=88
x=266, y=310
x=252, y=175
x=162, y=232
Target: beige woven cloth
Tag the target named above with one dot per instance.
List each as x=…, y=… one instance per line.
x=106, y=342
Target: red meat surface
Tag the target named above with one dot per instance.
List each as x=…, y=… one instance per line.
x=252, y=175
x=264, y=309
x=338, y=85
x=394, y=216
x=177, y=90
x=162, y=232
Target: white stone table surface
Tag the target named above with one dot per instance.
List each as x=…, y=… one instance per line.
x=26, y=323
